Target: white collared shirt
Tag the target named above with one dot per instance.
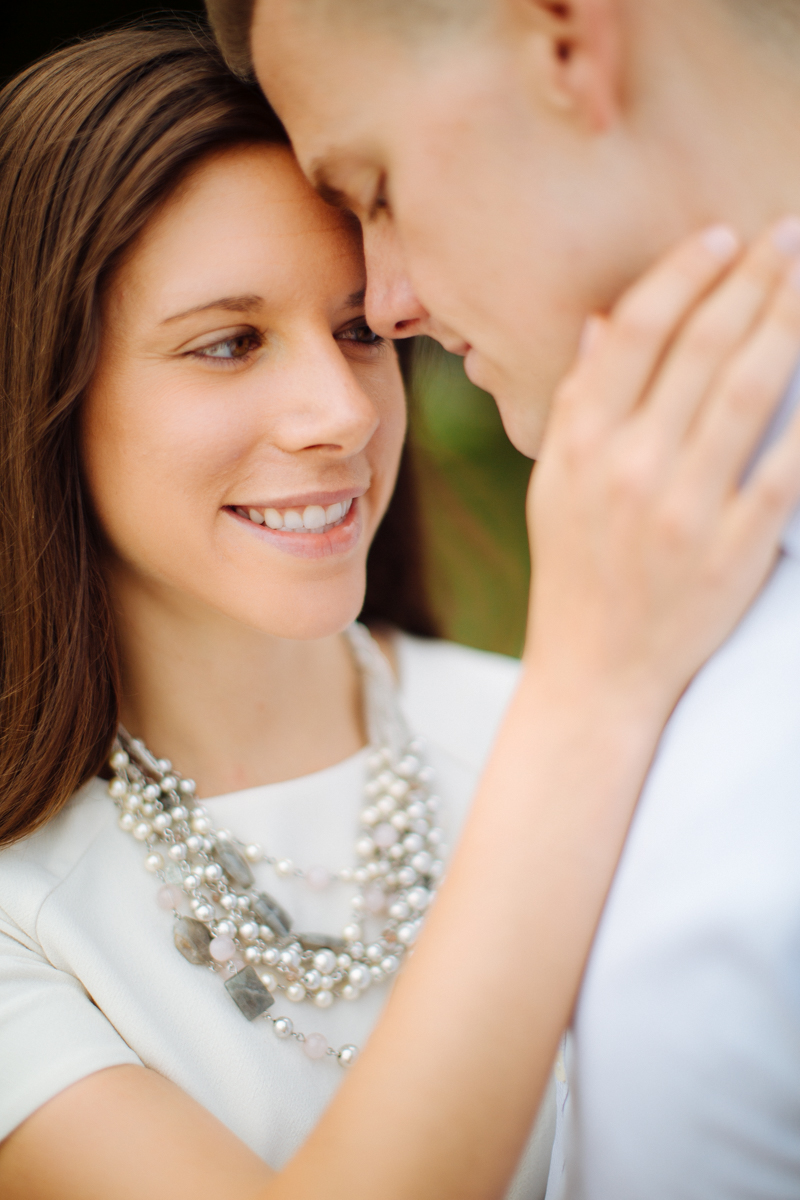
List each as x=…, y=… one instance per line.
x=686, y=1072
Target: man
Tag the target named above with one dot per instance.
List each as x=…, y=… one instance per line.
x=515, y=164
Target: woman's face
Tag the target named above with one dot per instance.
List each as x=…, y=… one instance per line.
x=242, y=432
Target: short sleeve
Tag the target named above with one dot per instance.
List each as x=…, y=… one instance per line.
x=51, y=1033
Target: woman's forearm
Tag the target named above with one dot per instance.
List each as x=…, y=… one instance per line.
x=446, y=1091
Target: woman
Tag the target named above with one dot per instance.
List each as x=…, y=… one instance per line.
x=200, y=439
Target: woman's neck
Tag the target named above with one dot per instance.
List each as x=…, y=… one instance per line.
x=230, y=706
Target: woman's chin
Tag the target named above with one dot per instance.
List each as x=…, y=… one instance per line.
x=311, y=613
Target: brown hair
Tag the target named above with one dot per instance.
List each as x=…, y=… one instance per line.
x=92, y=140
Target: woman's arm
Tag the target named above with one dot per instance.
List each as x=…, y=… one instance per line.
x=647, y=553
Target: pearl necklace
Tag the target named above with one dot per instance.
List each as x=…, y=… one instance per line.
x=241, y=932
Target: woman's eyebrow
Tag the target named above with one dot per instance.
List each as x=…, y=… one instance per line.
x=239, y=304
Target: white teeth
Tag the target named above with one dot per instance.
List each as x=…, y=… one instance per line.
x=314, y=517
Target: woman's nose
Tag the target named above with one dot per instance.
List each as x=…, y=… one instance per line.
x=323, y=405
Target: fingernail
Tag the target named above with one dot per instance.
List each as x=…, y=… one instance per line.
x=722, y=241
x=786, y=236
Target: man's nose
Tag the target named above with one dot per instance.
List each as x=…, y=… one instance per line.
x=392, y=307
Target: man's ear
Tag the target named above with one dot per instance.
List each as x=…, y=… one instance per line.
x=575, y=48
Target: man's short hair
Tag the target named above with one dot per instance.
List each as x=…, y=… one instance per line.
x=231, y=20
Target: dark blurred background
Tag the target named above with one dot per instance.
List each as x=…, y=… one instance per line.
x=473, y=481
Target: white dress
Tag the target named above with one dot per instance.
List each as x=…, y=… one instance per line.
x=90, y=977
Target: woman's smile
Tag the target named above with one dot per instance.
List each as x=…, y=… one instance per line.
x=316, y=529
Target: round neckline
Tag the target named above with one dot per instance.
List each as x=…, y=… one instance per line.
x=259, y=790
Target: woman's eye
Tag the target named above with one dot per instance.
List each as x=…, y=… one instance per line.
x=230, y=349
x=362, y=334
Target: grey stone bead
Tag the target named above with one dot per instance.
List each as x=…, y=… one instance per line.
x=234, y=865
x=268, y=912
x=192, y=939
x=321, y=941
x=249, y=993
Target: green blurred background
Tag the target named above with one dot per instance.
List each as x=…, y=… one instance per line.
x=472, y=479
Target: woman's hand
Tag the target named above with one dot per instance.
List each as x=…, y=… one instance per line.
x=647, y=546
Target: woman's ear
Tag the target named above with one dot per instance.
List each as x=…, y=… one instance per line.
x=574, y=51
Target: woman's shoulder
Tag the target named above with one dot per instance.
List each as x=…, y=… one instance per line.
x=33, y=867
x=454, y=695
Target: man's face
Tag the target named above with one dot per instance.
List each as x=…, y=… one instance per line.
x=505, y=220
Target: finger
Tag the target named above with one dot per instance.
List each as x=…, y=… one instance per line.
x=733, y=422
x=649, y=316
x=718, y=327
x=772, y=493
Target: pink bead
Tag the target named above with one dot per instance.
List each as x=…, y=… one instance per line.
x=169, y=896
x=221, y=948
x=318, y=878
x=315, y=1045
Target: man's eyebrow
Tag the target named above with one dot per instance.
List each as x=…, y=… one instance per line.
x=237, y=304
x=356, y=299
x=328, y=191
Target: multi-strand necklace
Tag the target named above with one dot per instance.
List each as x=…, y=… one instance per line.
x=240, y=931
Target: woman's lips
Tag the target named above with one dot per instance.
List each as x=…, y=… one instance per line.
x=307, y=533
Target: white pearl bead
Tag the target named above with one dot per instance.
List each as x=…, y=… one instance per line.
x=268, y=978
x=377, y=974
x=284, y=867
x=253, y=853
x=178, y=812
x=365, y=847
x=117, y=789
x=315, y=1045
x=413, y=843
x=142, y=831
x=386, y=805
x=212, y=872
x=169, y=783
x=266, y=934
x=177, y=852
x=436, y=837
x=190, y=882
x=406, y=876
x=127, y=821
x=359, y=976
x=344, y=962
x=118, y=760
x=148, y=809
x=283, y=1027
x=243, y=902
x=194, y=843
x=374, y=952
x=345, y=875
x=398, y=789
x=312, y=980
x=325, y=961
x=351, y=933
x=200, y=824
x=419, y=898
x=224, y=835
x=150, y=792
x=399, y=820
x=163, y=765
x=296, y=992
x=399, y=910
x=186, y=787
x=272, y=956
x=290, y=957
x=390, y=964
x=347, y=1055
x=225, y=928
x=154, y=862
x=370, y=816
x=415, y=810
x=132, y=801
x=252, y=955
x=349, y=992
x=407, y=934
x=204, y=912
x=408, y=766
x=422, y=862
x=228, y=901
x=323, y=999
x=326, y=983
x=248, y=932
